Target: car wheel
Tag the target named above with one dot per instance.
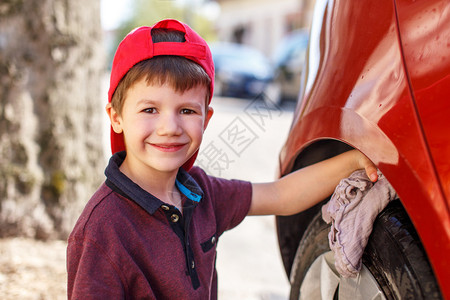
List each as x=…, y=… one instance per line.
x=395, y=265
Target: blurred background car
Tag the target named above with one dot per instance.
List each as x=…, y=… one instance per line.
x=288, y=63
x=377, y=79
x=241, y=71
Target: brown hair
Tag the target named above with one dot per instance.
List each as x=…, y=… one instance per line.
x=179, y=72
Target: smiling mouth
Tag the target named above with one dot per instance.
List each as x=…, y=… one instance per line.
x=169, y=147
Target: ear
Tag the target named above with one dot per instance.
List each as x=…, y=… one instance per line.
x=114, y=117
x=209, y=114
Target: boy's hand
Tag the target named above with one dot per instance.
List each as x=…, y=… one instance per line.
x=368, y=166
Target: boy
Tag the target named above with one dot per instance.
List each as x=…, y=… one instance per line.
x=150, y=231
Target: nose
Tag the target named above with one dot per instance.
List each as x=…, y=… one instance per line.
x=169, y=124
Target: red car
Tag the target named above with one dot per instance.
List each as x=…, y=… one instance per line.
x=377, y=79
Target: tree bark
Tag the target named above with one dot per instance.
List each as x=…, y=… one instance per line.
x=51, y=156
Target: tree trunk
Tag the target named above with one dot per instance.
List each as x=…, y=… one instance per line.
x=51, y=156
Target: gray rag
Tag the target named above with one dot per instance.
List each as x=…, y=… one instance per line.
x=352, y=209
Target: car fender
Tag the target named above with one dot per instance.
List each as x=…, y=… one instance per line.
x=425, y=203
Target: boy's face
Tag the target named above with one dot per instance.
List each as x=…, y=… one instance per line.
x=162, y=128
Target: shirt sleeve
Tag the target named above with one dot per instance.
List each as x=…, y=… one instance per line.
x=231, y=199
x=91, y=274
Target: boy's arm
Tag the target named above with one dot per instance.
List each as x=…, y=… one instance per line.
x=306, y=187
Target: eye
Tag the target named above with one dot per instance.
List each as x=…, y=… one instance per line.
x=187, y=111
x=150, y=110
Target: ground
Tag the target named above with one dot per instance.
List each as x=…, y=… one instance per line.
x=31, y=269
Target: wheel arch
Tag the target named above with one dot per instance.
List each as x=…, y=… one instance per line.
x=407, y=169
x=290, y=229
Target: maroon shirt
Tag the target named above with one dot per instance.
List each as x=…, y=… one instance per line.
x=127, y=244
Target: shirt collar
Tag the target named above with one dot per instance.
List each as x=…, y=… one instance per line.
x=123, y=185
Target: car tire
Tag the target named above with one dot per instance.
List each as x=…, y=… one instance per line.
x=395, y=265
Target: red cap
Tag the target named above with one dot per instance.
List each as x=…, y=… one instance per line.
x=138, y=46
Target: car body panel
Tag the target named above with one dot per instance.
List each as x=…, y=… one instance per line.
x=425, y=32
x=357, y=90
